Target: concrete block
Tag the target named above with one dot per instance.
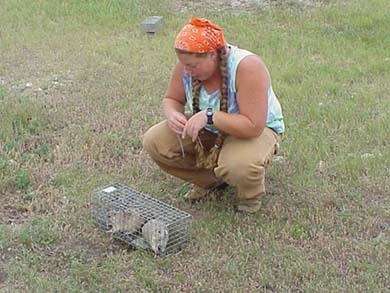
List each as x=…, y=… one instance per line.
x=152, y=24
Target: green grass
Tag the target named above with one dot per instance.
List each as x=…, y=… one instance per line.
x=80, y=84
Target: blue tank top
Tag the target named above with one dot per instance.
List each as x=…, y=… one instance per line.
x=274, y=116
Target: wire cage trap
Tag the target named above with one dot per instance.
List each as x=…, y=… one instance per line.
x=140, y=220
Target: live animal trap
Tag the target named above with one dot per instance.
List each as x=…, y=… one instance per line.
x=140, y=220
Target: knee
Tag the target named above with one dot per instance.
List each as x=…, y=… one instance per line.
x=241, y=166
x=150, y=141
x=160, y=142
x=236, y=171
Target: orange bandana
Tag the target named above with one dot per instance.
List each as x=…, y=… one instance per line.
x=200, y=36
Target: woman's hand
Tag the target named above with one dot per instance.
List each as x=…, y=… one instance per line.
x=176, y=122
x=194, y=125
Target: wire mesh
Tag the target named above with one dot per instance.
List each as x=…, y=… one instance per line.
x=141, y=220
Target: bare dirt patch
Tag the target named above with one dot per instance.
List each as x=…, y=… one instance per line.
x=12, y=209
x=5, y=255
x=80, y=246
x=3, y=277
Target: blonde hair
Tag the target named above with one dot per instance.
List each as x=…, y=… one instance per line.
x=209, y=158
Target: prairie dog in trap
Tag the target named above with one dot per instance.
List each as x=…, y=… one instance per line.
x=155, y=233
x=128, y=220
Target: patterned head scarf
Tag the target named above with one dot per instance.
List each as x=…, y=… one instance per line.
x=200, y=36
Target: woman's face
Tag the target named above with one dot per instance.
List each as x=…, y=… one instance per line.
x=199, y=67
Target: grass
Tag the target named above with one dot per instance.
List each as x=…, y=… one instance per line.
x=80, y=84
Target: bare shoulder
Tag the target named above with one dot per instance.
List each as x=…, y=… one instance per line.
x=252, y=64
x=251, y=68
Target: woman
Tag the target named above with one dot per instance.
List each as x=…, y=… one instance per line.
x=224, y=121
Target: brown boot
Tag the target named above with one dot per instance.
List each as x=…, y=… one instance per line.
x=249, y=206
x=198, y=193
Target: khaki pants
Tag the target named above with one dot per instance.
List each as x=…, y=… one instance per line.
x=241, y=162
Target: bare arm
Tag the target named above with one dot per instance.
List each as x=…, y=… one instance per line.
x=252, y=91
x=252, y=86
x=174, y=101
